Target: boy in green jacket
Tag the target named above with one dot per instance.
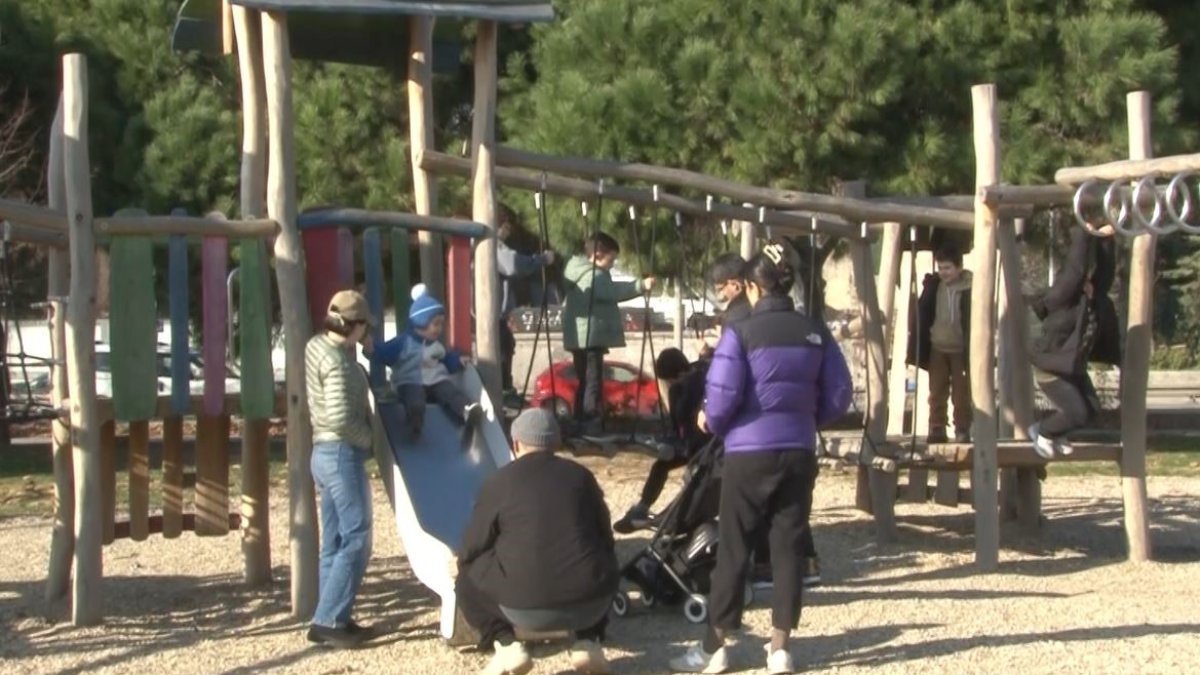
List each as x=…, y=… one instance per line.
x=592, y=321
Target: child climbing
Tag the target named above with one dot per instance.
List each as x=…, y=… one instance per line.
x=938, y=339
x=421, y=365
x=592, y=321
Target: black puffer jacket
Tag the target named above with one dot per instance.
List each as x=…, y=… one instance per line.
x=1065, y=310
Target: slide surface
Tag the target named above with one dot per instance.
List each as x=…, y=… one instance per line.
x=436, y=480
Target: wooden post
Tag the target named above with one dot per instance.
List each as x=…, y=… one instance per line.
x=254, y=127
x=1135, y=371
x=889, y=279
x=420, y=137
x=226, y=27
x=1016, y=376
x=108, y=481
x=256, y=486
x=898, y=375
x=982, y=347
x=62, y=538
x=678, y=319
x=297, y=327
x=487, y=280
x=139, y=480
x=746, y=231
x=86, y=596
x=172, y=476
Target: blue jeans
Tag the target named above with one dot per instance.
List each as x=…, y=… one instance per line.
x=341, y=477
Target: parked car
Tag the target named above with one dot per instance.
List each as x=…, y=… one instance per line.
x=623, y=389
x=104, y=386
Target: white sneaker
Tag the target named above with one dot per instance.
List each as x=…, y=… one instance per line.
x=779, y=661
x=588, y=657
x=1043, y=446
x=512, y=659
x=1064, y=446
x=695, y=660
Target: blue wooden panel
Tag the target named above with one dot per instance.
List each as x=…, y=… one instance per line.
x=177, y=299
x=372, y=249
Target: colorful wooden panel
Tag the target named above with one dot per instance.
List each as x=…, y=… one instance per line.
x=321, y=270
x=139, y=480
x=133, y=329
x=345, y=253
x=177, y=300
x=373, y=273
x=172, y=477
x=401, y=277
x=212, y=475
x=214, y=266
x=254, y=332
x=458, y=282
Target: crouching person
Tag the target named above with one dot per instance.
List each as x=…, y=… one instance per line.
x=538, y=553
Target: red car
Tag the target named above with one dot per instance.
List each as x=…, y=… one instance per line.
x=621, y=385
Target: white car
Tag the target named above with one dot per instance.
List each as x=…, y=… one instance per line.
x=233, y=384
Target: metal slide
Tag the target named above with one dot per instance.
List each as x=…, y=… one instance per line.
x=435, y=480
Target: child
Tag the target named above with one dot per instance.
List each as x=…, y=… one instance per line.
x=592, y=321
x=512, y=266
x=1079, y=324
x=939, y=343
x=685, y=397
x=422, y=365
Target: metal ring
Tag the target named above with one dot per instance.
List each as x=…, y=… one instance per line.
x=1078, y=203
x=1180, y=181
x=1115, y=193
x=1135, y=208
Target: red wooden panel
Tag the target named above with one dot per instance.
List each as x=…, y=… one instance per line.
x=458, y=302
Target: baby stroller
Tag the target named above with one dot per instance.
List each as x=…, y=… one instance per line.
x=677, y=562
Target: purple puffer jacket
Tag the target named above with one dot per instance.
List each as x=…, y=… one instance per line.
x=776, y=377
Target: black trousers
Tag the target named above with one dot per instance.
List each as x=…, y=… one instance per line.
x=762, y=540
x=445, y=393
x=484, y=614
x=657, y=479
x=771, y=489
x=589, y=369
x=1075, y=401
x=508, y=347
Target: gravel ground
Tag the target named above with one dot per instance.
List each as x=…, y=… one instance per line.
x=1062, y=602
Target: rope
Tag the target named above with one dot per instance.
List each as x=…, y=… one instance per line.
x=914, y=301
x=591, y=237
x=539, y=201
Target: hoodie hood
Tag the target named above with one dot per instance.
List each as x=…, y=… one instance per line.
x=578, y=269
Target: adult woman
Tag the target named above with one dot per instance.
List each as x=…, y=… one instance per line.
x=776, y=377
x=340, y=412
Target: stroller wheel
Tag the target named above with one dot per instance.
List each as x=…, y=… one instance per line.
x=620, y=604
x=648, y=599
x=695, y=609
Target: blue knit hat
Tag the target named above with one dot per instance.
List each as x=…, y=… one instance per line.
x=424, y=307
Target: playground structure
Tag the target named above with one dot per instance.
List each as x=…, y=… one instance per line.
x=314, y=253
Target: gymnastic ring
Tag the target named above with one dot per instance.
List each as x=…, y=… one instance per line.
x=1078, y=204
x=1113, y=194
x=1179, y=182
x=1135, y=207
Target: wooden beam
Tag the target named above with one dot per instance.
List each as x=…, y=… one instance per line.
x=483, y=162
x=297, y=325
x=956, y=203
x=87, y=596
x=1135, y=370
x=853, y=209
x=1128, y=170
x=1033, y=195
x=581, y=189
x=248, y=31
x=420, y=137
x=359, y=220
x=982, y=348
x=37, y=236
x=62, y=538
x=186, y=225
x=32, y=215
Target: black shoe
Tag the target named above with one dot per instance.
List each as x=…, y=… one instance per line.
x=368, y=633
x=812, y=573
x=936, y=436
x=962, y=437
x=636, y=518
x=761, y=578
x=338, y=638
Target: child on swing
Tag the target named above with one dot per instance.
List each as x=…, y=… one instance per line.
x=421, y=365
x=592, y=322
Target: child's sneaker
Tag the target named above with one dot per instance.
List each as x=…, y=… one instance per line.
x=812, y=573
x=779, y=661
x=637, y=517
x=588, y=657
x=1064, y=446
x=510, y=659
x=1042, y=445
x=695, y=660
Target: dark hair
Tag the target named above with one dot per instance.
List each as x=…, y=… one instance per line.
x=670, y=364
x=771, y=271
x=601, y=243
x=335, y=324
x=506, y=216
x=948, y=252
x=726, y=267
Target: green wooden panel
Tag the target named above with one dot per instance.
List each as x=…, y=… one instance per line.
x=133, y=329
x=401, y=277
x=254, y=330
